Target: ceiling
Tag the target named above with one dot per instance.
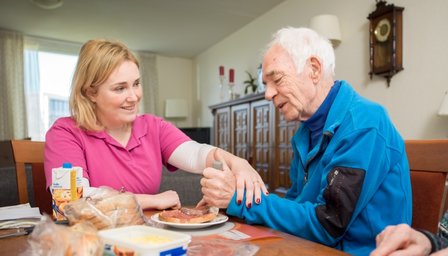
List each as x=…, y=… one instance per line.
x=180, y=28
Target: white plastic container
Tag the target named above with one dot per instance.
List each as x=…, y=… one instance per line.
x=143, y=240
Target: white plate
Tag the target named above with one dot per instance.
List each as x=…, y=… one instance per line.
x=220, y=218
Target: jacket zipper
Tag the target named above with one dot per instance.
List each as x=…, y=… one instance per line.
x=305, y=169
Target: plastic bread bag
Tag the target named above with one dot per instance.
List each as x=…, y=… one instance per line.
x=106, y=208
x=221, y=247
x=51, y=239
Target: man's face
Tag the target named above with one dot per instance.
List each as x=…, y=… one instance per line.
x=291, y=93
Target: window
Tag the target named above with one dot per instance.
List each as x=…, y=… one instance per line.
x=48, y=75
x=56, y=108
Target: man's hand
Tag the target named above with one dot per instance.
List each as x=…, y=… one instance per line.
x=401, y=240
x=247, y=179
x=218, y=186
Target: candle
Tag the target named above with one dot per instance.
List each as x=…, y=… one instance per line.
x=231, y=75
x=221, y=70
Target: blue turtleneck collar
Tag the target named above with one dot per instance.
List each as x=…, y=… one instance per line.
x=317, y=121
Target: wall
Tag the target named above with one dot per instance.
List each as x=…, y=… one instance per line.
x=415, y=93
x=176, y=81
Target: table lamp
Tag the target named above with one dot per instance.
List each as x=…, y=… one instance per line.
x=176, y=108
x=443, y=109
x=327, y=25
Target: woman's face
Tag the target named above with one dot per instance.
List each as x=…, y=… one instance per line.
x=117, y=99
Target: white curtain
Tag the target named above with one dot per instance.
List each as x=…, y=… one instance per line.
x=35, y=96
x=12, y=98
x=150, y=82
x=36, y=127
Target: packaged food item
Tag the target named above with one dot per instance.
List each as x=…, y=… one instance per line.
x=49, y=238
x=106, y=208
x=142, y=240
x=66, y=188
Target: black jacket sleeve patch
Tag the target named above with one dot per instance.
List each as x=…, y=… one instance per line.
x=341, y=195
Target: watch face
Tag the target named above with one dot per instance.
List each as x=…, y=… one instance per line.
x=382, y=30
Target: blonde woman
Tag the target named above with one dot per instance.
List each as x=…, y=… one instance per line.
x=119, y=148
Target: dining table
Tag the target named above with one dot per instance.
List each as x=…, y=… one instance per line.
x=228, y=238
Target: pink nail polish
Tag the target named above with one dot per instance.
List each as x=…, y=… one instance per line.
x=258, y=201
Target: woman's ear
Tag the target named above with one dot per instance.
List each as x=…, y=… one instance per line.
x=91, y=95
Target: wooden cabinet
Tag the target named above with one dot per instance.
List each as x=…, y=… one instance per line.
x=221, y=128
x=253, y=129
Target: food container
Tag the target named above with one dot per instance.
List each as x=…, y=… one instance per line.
x=66, y=187
x=140, y=240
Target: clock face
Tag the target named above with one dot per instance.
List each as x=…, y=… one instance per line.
x=382, y=30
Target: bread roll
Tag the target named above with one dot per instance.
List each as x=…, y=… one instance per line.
x=106, y=209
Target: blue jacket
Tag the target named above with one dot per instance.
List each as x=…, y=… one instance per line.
x=347, y=188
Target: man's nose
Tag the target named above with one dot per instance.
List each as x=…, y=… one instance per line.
x=269, y=93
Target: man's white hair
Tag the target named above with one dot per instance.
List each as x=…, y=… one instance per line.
x=302, y=43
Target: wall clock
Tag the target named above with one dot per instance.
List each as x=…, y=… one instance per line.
x=386, y=40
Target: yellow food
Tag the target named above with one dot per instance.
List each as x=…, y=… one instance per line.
x=150, y=239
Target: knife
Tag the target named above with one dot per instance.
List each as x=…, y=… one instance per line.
x=11, y=232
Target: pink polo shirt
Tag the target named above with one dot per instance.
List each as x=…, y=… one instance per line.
x=136, y=167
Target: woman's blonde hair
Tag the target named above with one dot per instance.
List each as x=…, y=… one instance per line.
x=97, y=60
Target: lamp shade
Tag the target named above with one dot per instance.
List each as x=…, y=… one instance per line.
x=443, y=110
x=328, y=26
x=48, y=4
x=176, y=108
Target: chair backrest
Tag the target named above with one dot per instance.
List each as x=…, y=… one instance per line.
x=9, y=195
x=428, y=162
x=6, y=156
x=31, y=152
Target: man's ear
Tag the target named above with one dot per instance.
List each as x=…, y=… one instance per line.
x=316, y=69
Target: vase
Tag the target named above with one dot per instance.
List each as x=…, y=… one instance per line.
x=260, y=87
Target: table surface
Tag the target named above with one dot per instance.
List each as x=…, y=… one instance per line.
x=278, y=243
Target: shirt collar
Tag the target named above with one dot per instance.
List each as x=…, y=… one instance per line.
x=139, y=130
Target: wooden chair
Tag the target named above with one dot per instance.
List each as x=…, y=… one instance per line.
x=428, y=162
x=9, y=195
x=31, y=152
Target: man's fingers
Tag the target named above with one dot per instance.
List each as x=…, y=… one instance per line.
x=215, y=202
x=201, y=203
x=210, y=173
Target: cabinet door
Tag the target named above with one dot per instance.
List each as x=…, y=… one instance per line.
x=240, y=130
x=261, y=148
x=284, y=131
x=222, y=128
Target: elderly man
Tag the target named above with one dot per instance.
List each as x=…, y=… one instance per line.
x=350, y=175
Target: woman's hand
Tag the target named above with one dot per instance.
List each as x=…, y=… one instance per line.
x=401, y=240
x=247, y=178
x=162, y=201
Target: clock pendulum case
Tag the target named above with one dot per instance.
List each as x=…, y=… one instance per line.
x=386, y=40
